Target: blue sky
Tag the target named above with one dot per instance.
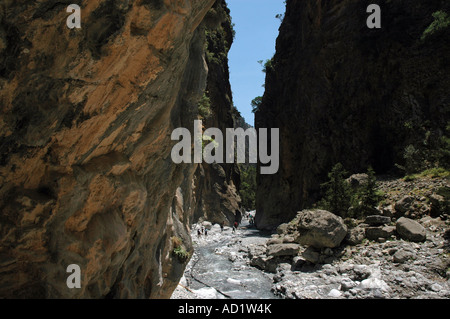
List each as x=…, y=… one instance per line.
x=256, y=32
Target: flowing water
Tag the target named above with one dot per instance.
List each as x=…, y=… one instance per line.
x=219, y=269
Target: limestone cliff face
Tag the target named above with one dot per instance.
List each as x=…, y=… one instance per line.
x=341, y=92
x=86, y=175
x=217, y=185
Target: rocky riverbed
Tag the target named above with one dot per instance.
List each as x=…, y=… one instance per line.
x=402, y=251
x=392, y=269
x=227, y=265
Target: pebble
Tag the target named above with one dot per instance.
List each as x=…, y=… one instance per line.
x=334, y=293
x=436, y=287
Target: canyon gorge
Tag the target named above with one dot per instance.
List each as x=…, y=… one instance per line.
x=86, y=117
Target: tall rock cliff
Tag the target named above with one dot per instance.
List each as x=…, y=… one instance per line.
x=341, y=92
x=217, y=185
x=86, y=175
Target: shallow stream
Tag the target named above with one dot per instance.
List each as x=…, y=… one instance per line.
x=217, y=269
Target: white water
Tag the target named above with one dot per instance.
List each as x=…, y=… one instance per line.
x=218, y=269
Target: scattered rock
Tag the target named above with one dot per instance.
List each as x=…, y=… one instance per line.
x=288, y=239
x=298, y=262
x=282, y=250
x=347, y=284
x=374, y=233
x=402, y=256
x=334, y=293
x=356, y=235
x=311, y=255
x=376, y=220
x=256, y=250
x=259, y=262
x=410, y=230
x=374, y=283
x=282, y=228
x=388, y=211
x=274, y=241
x=320, y=228
x=362, y=272
x=436, y=287
x=438, y=205
x=208, y=225
x=404, y=204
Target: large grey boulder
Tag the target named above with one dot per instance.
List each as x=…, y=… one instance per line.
x=282, y=250
x=320, y=228
x=410, y=229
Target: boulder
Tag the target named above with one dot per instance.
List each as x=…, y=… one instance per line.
x=402, y=256
x=374, y=283
x=356, y=235
x=373, y=233
x=311, y=255
x=410, y=230
x=258, y=262
x=265, y=263
x=376, y=220
x=283, y=228
x=256, y=250
x=347, y=284
x=404, y=204
x=388, y=211
x=274, y=241
x=320, y=228
x=282, y=250
x=288, y=239
x=334, y=293
x=207, y=225
x=438, y=205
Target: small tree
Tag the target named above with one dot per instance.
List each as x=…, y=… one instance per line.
x=337, y=197
x=368, y=197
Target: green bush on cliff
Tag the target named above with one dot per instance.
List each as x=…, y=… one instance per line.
x=204, y=107
x=267, y=65
x=179, y=251
x=441, y=21
x=256, y=103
